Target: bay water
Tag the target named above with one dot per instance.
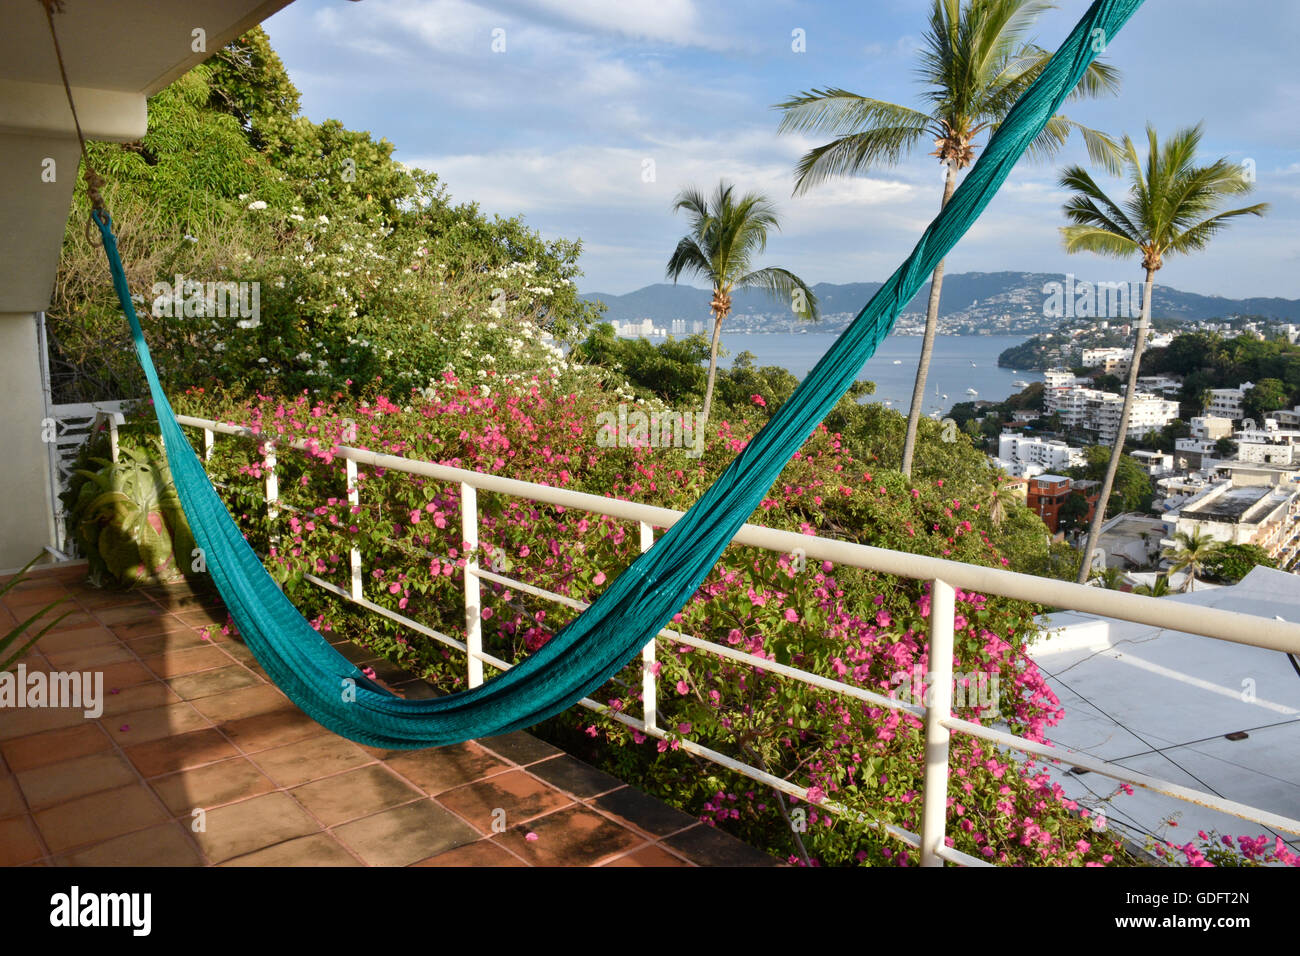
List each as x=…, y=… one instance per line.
x=959, y=363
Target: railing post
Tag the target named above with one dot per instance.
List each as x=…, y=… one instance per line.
x=649, y=683
x=938, y=707
x=473, y=605
x=272, y=490
x=209, y=438
x=114, y=446
x=354, y=556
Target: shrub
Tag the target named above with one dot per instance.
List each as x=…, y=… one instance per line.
x=128, y=519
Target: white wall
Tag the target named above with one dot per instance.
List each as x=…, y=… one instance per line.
x=27, y=517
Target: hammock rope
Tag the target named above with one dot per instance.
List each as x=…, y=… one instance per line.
x=634, y=607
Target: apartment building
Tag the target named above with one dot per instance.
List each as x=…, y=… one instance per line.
x=1108, y=359
x=1226, y=402
x=1270, y=444
x=1099, y=412
x=1264, y=515
x=1023, y=457
x=1062, y=378
x=1154, y=463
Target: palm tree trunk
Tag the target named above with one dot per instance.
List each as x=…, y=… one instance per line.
x=713, y=371
x=1117, y=451
x=927, y=344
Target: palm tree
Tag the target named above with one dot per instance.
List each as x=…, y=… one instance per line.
x=996, y=500
x=975, y=64
x=1108, y=578
x=1159, y=589
x=1191, y=552
x=1171, y=208
x=726, y=234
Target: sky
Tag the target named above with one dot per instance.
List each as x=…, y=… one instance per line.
x=587, y=117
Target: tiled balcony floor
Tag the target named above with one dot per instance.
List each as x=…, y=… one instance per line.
x=191, y=724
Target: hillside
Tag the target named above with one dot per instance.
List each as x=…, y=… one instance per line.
x=972, y=302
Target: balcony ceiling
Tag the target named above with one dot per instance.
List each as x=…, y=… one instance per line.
x=131, y=46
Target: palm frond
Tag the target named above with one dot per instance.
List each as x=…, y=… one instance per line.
x=687, y=260
x=782, y=284
x=853, y=154
x=1095, y=239
x=1199, y=235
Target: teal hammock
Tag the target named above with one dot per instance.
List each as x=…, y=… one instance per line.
x=631, y=611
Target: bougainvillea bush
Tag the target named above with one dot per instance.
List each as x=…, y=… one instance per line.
x=864, y=629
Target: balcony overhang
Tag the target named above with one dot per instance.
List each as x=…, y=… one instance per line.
x=117, y=55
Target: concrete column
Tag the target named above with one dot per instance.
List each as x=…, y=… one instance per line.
x=26, y=513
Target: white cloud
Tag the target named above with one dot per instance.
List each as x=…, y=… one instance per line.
x=673, y=21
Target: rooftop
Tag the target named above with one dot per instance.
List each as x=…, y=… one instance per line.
x=1162, y=702
x=1234, y=505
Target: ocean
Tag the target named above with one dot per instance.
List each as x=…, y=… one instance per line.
x=959, y=362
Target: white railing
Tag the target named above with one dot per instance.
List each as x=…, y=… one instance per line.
x=939, y=721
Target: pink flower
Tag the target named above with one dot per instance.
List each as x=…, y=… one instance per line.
x=599, y=578
x=530, y=836
x=758, y=400
x=682, y=688
x=791, y=615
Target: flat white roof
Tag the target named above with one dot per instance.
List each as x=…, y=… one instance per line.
x=1161, y=702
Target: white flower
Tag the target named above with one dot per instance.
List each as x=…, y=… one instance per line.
x=261, y=361
x=324, y=219
x=259, y=204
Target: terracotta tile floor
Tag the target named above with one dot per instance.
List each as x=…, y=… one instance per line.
x=198, y=761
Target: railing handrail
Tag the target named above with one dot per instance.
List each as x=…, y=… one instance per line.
x=1234, y=626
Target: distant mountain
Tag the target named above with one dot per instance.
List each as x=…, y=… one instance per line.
x=972, y=301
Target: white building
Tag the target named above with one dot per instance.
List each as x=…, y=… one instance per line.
x=1163, y=384
x=1062, y=378
x=1226, y=402
x=1268, y=445
x=1264, y=515
x=1285, y=417
x=1155, y=463
x=1107, y=358
x=1023, y=457
x=1100, y=412
x=1206, y=432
